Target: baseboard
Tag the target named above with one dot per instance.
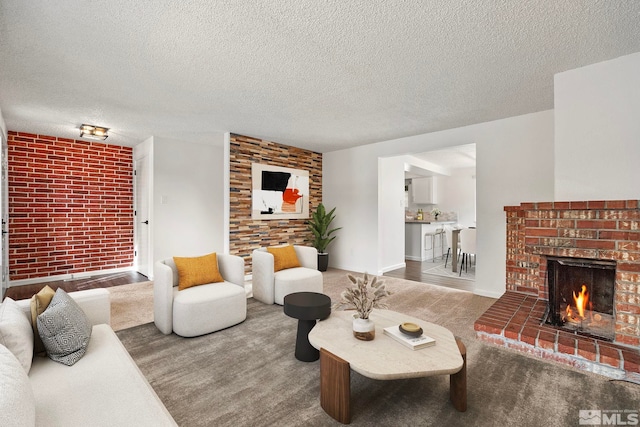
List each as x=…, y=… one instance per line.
x=71, y=276
x=393, y=267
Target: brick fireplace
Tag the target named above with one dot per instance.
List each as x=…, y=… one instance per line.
x=601, y=231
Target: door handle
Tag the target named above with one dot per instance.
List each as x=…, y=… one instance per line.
x=146, y=222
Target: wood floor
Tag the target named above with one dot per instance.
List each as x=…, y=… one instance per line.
x=414, y=271
x=98, y=281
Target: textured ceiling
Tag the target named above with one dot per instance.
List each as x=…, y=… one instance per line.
x=321, y=75
x=461, y=156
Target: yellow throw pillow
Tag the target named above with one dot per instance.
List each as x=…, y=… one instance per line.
x=284, y=257
x=197, y=270
x=39, y=303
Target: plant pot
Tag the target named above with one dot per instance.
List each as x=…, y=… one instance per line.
x=323, y=261
x=364, y=329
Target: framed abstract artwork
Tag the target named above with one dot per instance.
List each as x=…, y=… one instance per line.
x=278, y=192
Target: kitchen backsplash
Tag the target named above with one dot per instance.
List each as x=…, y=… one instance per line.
x=427, y=216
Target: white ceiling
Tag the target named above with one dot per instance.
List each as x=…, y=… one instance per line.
x=321, y=75
x=462, y=156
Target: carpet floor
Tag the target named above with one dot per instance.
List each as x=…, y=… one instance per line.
x=131, y=305
x=247, y=375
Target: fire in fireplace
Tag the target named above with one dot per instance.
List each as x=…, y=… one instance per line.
x=581, y=296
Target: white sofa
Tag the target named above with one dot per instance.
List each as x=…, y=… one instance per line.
x=104, y=388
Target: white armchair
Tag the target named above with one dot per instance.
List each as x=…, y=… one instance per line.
x=271, y=287
x=202, y=309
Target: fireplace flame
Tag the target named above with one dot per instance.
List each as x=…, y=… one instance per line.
x=581, y=300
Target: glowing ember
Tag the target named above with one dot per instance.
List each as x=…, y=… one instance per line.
x=569, y=313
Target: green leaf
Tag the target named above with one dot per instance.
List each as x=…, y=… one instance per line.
x=319, y=227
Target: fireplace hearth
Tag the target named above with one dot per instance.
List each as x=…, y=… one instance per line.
x=581, y=295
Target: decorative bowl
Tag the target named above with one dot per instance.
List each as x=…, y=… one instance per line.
x=410, y=329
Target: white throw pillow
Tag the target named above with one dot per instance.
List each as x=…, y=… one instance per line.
x=16, y=333
x=65, y=329
x=17, y=403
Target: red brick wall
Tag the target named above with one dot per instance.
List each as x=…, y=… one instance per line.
x=70, y=206
x=607, y=230
x=246, y=234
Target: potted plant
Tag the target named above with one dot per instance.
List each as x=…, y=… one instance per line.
x=322, y=235
x=363, y=297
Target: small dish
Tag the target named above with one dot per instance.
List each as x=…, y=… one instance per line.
x=410, y=329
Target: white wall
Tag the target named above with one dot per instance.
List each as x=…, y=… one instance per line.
x=514, y=164
x=140, y=151
x=391, y=213
x=457, y=193
x=350, y=183
x=597, y=133
x=190, y=178
x=3, y=130
x=3, y=126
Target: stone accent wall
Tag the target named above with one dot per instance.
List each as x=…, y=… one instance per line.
x=608, y=230
x=246, y=234
x=70, y=206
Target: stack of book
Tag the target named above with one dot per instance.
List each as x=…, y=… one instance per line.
x=414, y=343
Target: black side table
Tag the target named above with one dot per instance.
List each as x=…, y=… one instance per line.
x=307, y=307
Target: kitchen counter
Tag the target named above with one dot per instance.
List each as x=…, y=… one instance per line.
x=427, y=221
x=419, y=247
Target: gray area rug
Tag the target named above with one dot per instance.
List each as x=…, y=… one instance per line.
x=439, y=269
x=247, y=375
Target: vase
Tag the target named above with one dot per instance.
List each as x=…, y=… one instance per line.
x=364, y=329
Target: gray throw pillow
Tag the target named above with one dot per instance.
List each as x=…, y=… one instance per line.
x=65, y=329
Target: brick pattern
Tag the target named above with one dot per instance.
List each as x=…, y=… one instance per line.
x=71, y=206
x=515, y=321
x=246, y=234
x=607, y=230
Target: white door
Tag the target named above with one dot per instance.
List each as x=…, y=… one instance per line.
x=4, y=213
x=142, y=230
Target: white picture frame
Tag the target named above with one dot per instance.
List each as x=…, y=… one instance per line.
x=279, y=192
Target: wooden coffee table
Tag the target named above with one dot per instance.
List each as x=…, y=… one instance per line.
x=382, y=359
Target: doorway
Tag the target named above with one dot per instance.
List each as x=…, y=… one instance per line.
x=4, y=214
x=451, y=173
x=142, y=244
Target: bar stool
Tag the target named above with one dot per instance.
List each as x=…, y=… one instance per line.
x=433, y=235
x=448, y=234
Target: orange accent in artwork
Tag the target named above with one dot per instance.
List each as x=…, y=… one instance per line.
x=291, y=195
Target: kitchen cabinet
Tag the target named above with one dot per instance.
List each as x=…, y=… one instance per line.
x=417, y=245
x=424, y=190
